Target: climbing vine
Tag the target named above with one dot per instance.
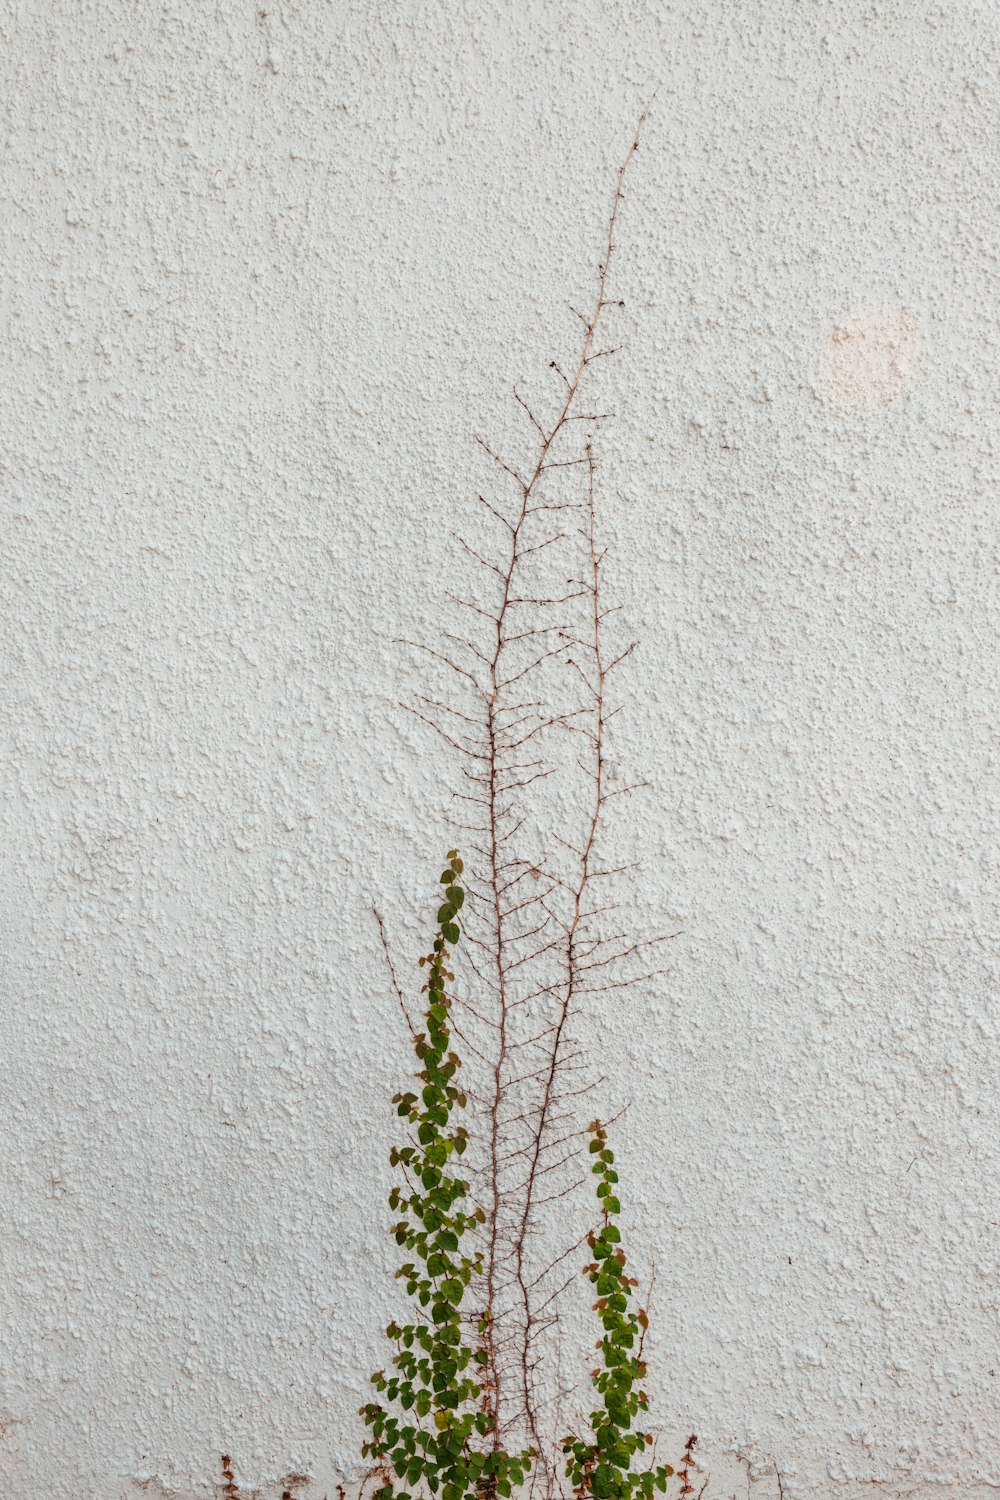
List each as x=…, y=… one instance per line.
x=602, y=1465
x=460, y=1411
x=447, y=1437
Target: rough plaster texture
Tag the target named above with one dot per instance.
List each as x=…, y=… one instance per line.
x=266, y=267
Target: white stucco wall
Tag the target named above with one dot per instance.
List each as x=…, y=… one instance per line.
x=265, y=269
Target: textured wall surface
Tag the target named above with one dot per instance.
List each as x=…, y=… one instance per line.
x=266, y=267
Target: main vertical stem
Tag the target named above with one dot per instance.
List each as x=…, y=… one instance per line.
x=499, y=914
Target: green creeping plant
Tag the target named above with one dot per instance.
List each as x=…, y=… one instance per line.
x=602, y=1466
x=435, y=1434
